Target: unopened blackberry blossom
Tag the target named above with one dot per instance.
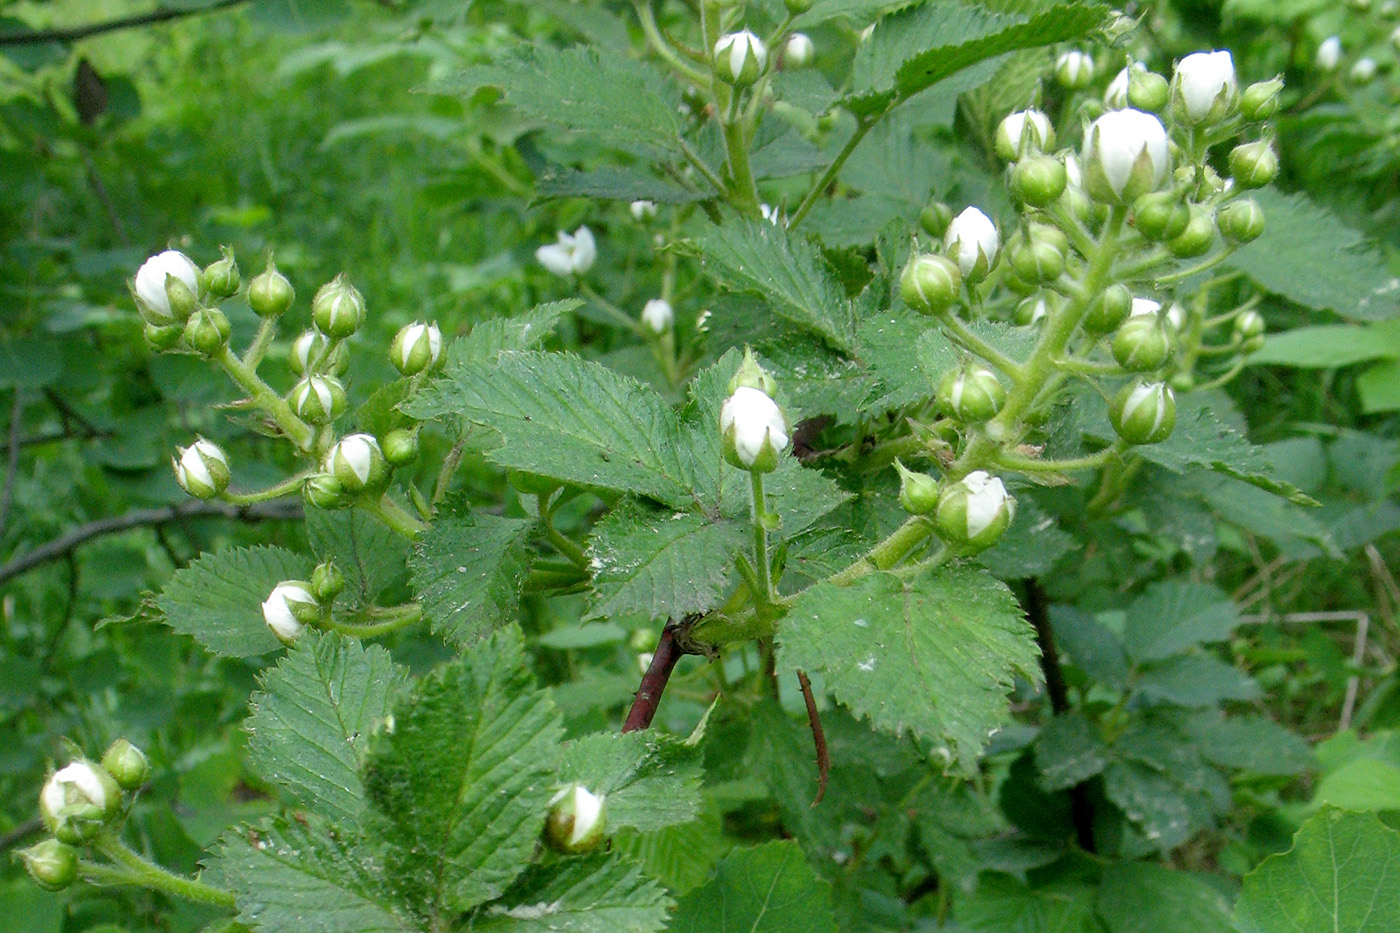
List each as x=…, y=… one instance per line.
x=1126, y=155
x=1024, y=132
x=972, y=242
x=1204, y=88
x=577, y=820
x=167, y=287
x=201, y=469
x=1074, y=69
x=754, y=429
x=289, y=608
x=77, y=800
x=573, y=254
x=974, y=511
x=658, y=316
x=1329, y=54
x=416, y=348
x=739, y=58
x=798, y=51
x=357, y=463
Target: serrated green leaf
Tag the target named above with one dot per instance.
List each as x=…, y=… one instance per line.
x=218, y=598
x=369, y=553
x=1001, y=903
x=680, y=856
x=1162, y=812
x=1137, y=897
x=1249, y=743
x=1031, y=546
x=459, y=789
x=619, y=184
x=1195, y=680
x=936, y=655
x=1379, y=387
x=1339, y=875
x=651, y=780
x=467, y=570
x=616, y=101
x=858, y=13
x=915, y=49
x=311, y=721
x=526, y=331
x=379, y=414
x=1310, y=257
x=592, y=894
x=766, y=889
x=1068, y=751
x=751, y=255
x=291, y=878
x=1174, y=615
x=1329, y=346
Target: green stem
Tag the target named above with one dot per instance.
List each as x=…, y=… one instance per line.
x=964, y=335
x=743, y=190
x=381, y=620
x=623, y=319
x=1224, y=377
x=764, y=597
x=1092, y=461
x=139, y=871
x=263, y=396
x=562, y=543
x=1197, y=269
x=863, y=126
x=662, y=48
x=444, y=477
x=285, y=488
x=701, y=166
x=395, y=516
x=256, y=350
x=888, y=552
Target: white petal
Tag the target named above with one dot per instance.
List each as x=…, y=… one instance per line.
x=1143, y=306
x=756, y=419
x=193, y=468
x=658, y=316
x=585, y=250
x=150, y=278
x=1201, y=77
x=557, y=258
x=587, y=808
x=1119, y=137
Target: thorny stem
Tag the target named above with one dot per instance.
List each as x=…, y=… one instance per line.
x=764, y=597
x=254, y=354
x=266, y=399
x=818, y=736
x=389, y=619
x=135, y=870
x=394, y=515
x=663, y=662
x=285, y=488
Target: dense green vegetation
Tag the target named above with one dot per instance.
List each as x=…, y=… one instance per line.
x=978, y=460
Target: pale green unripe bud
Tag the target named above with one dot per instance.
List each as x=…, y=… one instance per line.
x=1198, y=236
x=1363, y=70
x=1039, y=180
x=1126, y=155
x=739, y=58
x=317, y=399
x=312, y=351
x=358, y=464
x=1241, y=221
x=1253, y=165
x=1074, y=70
x=974, y=512
x=754, y=431
x=1109, y=310
x=751, y=375
x=972, y=242
x=166, y=288
x=1147, y=90
x=327, y=582
x=126, y=764
x=270, y=293
x=220, y=279
x=52, y=864
x=1024, y=133
x=935, y=218
x=78, y=801
x=1160, y=216
x=1030, y=311
x=201, y=469
x=163, y=337
x=207, y=331
x=972, y=395
x=1037, y=261
x=798, y=51
x=417, y=348
x=289, y=608
x=577, y=820
x=1249, y=332
x=1144, y=413
x=797, y=7
x=918, y=492
x=323, y=491
x=1204, y=88
x=1142, y=344
x=930, y=284
x=401, y=446
x=338, y=309
x=1260, y=100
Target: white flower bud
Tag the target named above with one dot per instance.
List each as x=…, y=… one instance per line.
x=357, y=462
x=643, y=210
x=1204, y=88
x=155, y=280
x=974, y=511
x=306, y=350
x=798, y=51
x=318, y=399
x=1395, y=38
x=1115, y=96
x=770, y=213
x=416, y=348
x=338, y=309
x=739, y=58
x=1329, y=54
x=1144, y=306
x=201, y=469
x=1144, y=413
x=1074, y=70
x=755, y=430
x=972, y=242
x=577, y=820
x=77, y=800
x=1125, y=156
x=289, y=608
x=1363, y=70
x=1022, y=133
x=574, y=254
x=657, y=316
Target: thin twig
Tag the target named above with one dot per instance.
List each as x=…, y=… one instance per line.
x=73, y=33
x=139, y=518
x=818, y=736
x=20, y=833
x=663, y=662
x=12, y=463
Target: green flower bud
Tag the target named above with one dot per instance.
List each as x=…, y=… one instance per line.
x=972, y=395
x=1039, y=180
x=739, y=58
x=270, y=294
x=358, y=463
x=126, y=764
x=1198, y=236
x=974, y=512
x=289, y=608
x=752, y=375
x=1109, y=310
x=1147, y=90
x=1038, y=261
x=577, y=820
x=1160, y=216
x=317, y=399
x=1260, y=100
x=52, y=864
x=201, y=469
x=1024, y=133
x=166, y=288
x=797, y=7
x=1253, y=165
x=918, y=492
x=78, y=801
x=1074, y=70
x=323, y=491
x=221, y=279
x=417, y=348
x=327, y=582
x=401, y=446
x=930, y=284
x=1030, y=311
x=1144, y=413
x=1182, y=381
x=207, y=331
x=338, y=309
x=163, y=337
x=1249, y=332
x=313, y=351
x=1241, y=221
x=1142, y=344
x=935, y=218
x=754, y=430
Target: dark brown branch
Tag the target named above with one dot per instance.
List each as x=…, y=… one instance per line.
x=663, y=662
x=160, y=14
x=285, y=509
x=1037, y=610
x=20, y=833
x=12, y=461
x=818, y=736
